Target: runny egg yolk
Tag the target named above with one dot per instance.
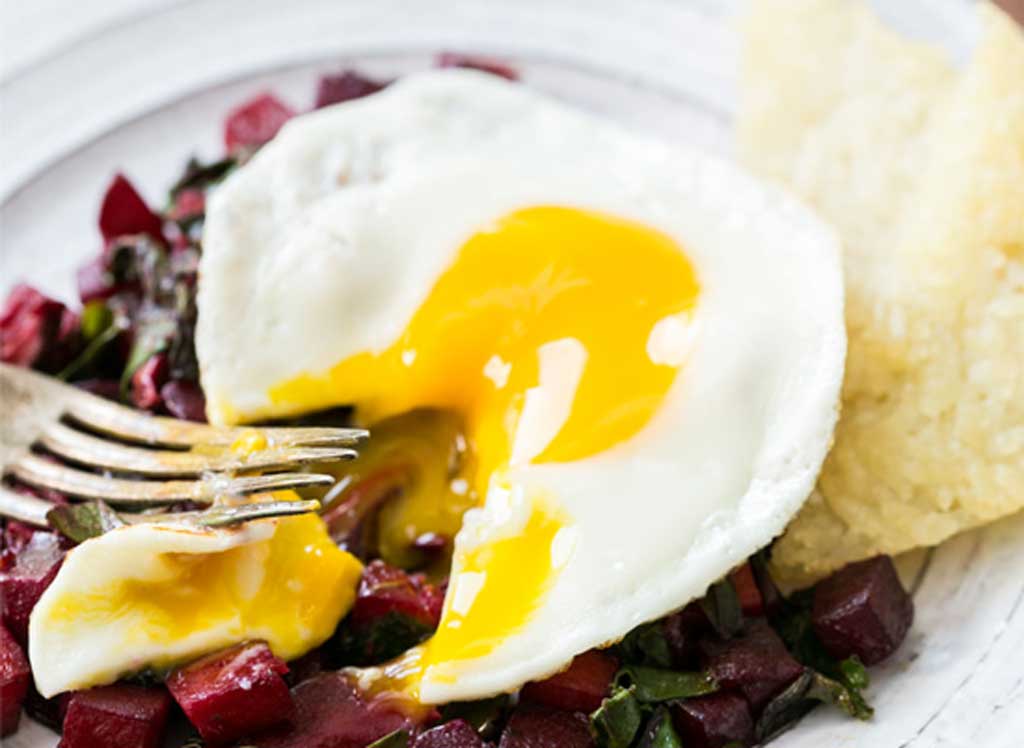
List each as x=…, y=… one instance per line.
x=290, y=590
x=554, y=334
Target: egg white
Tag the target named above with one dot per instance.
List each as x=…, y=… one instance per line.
x=326, y=243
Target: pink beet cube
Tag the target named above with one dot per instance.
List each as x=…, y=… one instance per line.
x=345, y=86
x=37, y=331
x=14, y=680
x=255, y=122
x=385, y=589
x=714, y=721
x=124, y=212
x=757, y=663
x=455, y=734
x=233, y=693
x=331, y=713
x=862, y=610
x=532, y=727
x=118, y=716
x=580, y=688
x=35, y=566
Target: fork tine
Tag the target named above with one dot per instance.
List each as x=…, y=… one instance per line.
x=28, y=509
x=84, y=449
x=131, y=425
x=36, y=471
x=224, y=516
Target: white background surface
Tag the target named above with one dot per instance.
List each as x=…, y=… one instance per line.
x=90, y=86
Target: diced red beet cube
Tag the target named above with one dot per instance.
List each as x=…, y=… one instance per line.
x=37, y=331
x=580, y=688
x=184, y=400
x=682, y=630
x=189, y=203
x=536, y=727
x=17, y=534
x=862, y=610
x=118, y=715
x=147, y=380
x=747, y=590
x=124, y=212
x=385, y=589
x=109, y=389
x=255, y=122
x=21, y=586
x=713, y=721
x=331, y=713
x=345, y=86
x=474, y=62
x=455, y=734
x=756, y=663
x=14, y=681
x=237, y=692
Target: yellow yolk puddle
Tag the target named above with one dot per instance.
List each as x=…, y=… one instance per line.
x=498, y=586
x=291, y=590
x=547, y=337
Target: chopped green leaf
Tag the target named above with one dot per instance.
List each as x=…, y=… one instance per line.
x=485, y=716
x=385, y=638
x=646, y=645
x=848, y=699
x=152, y=336
x=79, y=522
x=722, y=606
x=96, y=317
x=200, y=176
x=92, y=350
x=854, y=673
x=397, y=739
x=660, y=732
x=785, y=709
x=617, y=721
x=653, y=685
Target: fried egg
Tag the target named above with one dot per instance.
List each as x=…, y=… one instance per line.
x=644, y=345
x=152, y=596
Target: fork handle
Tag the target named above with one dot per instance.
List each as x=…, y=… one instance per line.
x=28, y=509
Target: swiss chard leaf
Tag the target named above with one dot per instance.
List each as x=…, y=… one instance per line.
x=803, y=695
x=855, y=675
x=397, y=739
x=653, y=685
x=785, y=709
x=379, y=641
x=646, y=645
x=841, y=694
x=199, y=176
x=660, y=732
x=153, y=335
x=722, y=607
x=618, y=719
x=79, y=522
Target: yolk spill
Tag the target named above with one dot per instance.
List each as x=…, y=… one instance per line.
x=498, y=586
x=543, y=338
x=291, y=590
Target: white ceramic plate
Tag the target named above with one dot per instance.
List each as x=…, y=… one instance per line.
x=143, y=94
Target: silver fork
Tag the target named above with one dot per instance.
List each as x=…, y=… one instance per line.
x=183, y=461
